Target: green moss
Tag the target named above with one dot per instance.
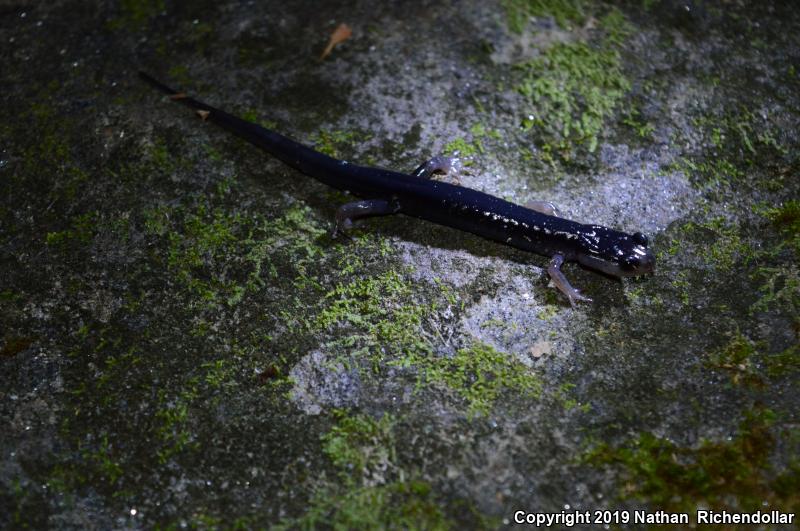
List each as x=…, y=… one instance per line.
x=219, y=373
x=335, y=143
x=713, y=173
x=480, y=374
x=9, y=295
x=565, y=12
x=572, y=89
x=361, y=446
x=375, y=312
x=786, y=218
x=21, y=497
x=372, y=490
x=179, y=74
x=398, y=505
x=459, y=146
x=368, y=245
x=220, y=255
x=784, y=362
x=780, y=290
x=738, y=140
x=204, y=241
x=615, y=27
x=734, y=474
x=642, y=129
x=52, y=149
x=564, y=394
x=131, y=379
x=682, y=286
x=718, y=242
x=737, y=358
x=253, y=115
x=156, y=219
x=112, y=365
x=728, y=248
x=48, y=156
x=173, y=428
x=104, y=460
x=200, y=36
x=134, y=14
x=82, y=229
x=157, y=154
x=378, y=319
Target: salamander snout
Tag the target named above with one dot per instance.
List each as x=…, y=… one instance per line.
x=640, y=261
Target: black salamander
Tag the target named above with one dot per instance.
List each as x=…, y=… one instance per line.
x=535, y=228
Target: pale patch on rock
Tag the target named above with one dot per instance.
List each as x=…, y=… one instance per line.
x=518, y=321
x=632, y=194
x=459, y=267
x=541, y=348
x=321, y=382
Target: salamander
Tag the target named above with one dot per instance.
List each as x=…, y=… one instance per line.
x=536, y=227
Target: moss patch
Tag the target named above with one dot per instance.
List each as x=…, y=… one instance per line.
x=376, y=311
x=574, y=87
x=337, y=143
x=361, y=446
x=479, y=375
x=738, y=143
x=134, y=14
x=779, y=274
x=721, y=244
x=459, y=146
x=382, y=321
x=110, y=453
x=749, y=362
x=220, y=254
x=371, y=491
x=737, y=358
x=565, y=12
x=50, y=159
x=786, y=218
x=735, y=475
x=81, y=230
x=398, y=505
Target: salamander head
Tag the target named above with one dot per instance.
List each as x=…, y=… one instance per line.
x=616, y=253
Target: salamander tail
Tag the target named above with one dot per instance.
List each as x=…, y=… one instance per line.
x=157, y=84
x=273, y=143
x=176, y=95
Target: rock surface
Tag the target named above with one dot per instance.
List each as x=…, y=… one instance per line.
x=182, y=344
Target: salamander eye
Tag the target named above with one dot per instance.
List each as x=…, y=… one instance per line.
x=640, y=239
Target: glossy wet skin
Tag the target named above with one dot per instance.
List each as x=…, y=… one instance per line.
x=617, y=254
x=387, y=192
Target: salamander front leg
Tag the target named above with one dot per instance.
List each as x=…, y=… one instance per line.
x=450, y=166
x=349, y=212
x=561, y=282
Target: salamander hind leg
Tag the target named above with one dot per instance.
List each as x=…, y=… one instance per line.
x=350, y=212
x=545, y=207
x=450, y=166
x=561, y=282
